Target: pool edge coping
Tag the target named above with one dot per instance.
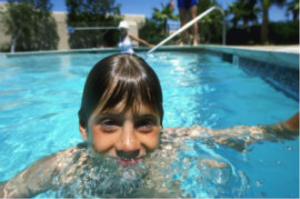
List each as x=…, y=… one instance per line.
x=285, y=58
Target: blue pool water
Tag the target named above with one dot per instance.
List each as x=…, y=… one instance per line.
x=40, y=97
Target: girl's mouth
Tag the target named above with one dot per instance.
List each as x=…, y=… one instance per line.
x=128, y=162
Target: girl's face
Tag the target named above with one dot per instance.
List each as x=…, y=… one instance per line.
x=126, y=137
x=123, y=31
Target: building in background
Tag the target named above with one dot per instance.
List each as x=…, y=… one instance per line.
x=135, y=23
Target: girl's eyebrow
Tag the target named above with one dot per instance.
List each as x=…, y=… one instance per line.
x=116, y=116
x=145, y=116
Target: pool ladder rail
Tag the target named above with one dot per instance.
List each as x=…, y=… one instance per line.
x=189, y=24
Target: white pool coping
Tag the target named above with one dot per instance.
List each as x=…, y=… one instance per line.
x=287, y=56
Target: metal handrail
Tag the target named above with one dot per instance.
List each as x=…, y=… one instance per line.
x=190, y=24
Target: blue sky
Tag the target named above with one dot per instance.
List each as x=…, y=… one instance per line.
x=146, y=7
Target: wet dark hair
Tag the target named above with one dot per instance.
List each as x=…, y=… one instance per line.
x=121, y=78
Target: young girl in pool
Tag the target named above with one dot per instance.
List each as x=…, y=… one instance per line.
x=120, y=120
x=125, y=44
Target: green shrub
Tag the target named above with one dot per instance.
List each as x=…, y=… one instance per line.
x=279, y=33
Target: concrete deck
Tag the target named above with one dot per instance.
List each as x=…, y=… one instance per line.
x=281, y=48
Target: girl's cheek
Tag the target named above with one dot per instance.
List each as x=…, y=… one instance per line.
x=102, y=141
x=150, y=140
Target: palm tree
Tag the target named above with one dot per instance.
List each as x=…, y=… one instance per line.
x=265, y=18
x=166, y=13
x=245, y=11
x=210, y=24
x=293, y=8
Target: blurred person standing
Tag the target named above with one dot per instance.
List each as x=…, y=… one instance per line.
x=186, y=7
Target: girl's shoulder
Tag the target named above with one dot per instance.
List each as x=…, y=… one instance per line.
x=185, y=132
x=72, y=155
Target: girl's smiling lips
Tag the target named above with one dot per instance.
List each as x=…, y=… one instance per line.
x=128, y=162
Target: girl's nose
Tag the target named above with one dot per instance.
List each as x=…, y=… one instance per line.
x=128, y=141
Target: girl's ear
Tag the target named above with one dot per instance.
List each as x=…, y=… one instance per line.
x=83, y=132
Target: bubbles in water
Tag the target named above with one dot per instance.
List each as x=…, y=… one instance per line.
x=278, y=162
x=88, y=176
x=288, y=148
x=177, y=171
x=129, y=174
x=258, y=183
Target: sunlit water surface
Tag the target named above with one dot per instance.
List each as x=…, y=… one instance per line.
x=40, y=97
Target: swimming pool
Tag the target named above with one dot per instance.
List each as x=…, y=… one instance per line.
x=40, y=97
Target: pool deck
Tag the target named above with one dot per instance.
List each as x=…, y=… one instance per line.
x=283, y=48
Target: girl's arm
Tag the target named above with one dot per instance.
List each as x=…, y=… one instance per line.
x=38, y=177
x=293, y=123
x=239, y=137
x=31, y=181
x=140, y=40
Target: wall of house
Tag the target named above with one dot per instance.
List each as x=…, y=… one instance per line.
x=135, y=22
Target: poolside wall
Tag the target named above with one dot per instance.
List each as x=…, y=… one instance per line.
x=135, y=22
x=280, y=69
x=4, y=39
x=281, y=78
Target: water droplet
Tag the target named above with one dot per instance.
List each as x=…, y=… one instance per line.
x=278, y=162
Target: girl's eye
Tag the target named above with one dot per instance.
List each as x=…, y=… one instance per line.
x=109, y=125
x=145, y=126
